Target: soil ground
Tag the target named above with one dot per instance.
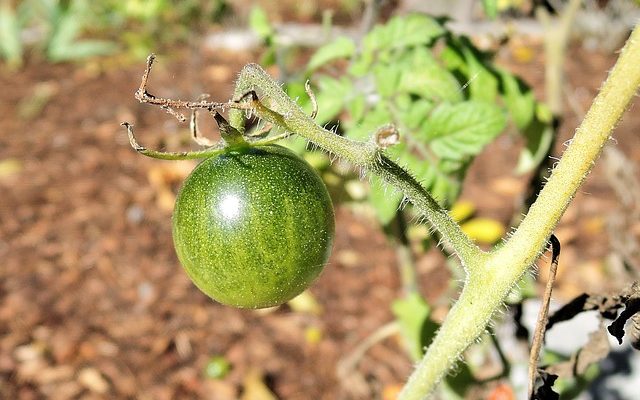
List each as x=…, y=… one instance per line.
x=93, y=303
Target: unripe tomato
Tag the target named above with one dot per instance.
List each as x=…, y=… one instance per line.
x=253, y=226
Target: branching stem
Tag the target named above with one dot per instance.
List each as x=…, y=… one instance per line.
x=284, y=112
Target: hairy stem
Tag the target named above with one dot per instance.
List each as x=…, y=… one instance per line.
x=276, y=107
x=580, y=155
x=485, y=291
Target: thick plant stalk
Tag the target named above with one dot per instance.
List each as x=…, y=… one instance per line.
x=490, y=283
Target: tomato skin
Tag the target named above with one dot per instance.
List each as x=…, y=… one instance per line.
x=253, y=227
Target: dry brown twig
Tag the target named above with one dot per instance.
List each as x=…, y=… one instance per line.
x=170, y=105
x=538, y=336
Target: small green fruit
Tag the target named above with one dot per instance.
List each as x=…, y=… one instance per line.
x=253, y=226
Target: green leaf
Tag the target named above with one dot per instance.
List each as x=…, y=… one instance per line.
x=412, y=313
x=361, y=65
x=295, y=143
x=452, y=58
x=418, y=57
x=417, y=113
x=444, y=187
x=386, y=78
x=431, y=82
x=459, y=131
x=356, y=109
x=269, y=57
x=472, y=67
x=519, y=100
x=450, y=166
x=384, y=199
x=490, y=8
x=422, y=75
x=539, y=139
x=342, y=47
x=81, y=49
x=543, y=113
x=483, y=85
x=296, y=91
x=442, y=178
x=65, y=30
x=259, y=23
x=458, y=384
x=407, y=157
x=405, y=31
x=333, y=95
x=403, y=101
x=10, y=41
x=67, y=24
x=373, y=119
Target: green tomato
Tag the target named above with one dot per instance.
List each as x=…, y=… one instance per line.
x=253, y=226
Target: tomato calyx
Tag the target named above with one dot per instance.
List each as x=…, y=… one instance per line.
x=229, y=134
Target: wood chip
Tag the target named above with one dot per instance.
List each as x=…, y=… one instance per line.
x=93, y=380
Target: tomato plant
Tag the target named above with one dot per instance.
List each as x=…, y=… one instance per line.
x=253, y=226
x=490, y=276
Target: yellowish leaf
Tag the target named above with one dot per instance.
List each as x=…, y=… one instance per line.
x=391, y=392
x=254, y=387
x=462, y=210
x=484, y=230
x=313, y=335
x=305, y=303
x=9, y=167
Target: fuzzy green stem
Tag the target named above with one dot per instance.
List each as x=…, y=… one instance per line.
x=580, y=155
x=276, y=107
x=164, y=155
x=485, y=291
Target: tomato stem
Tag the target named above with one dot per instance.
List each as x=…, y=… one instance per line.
x=285, y=113
x=168, y=155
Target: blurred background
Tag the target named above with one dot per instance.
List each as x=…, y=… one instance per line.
x=93, y=302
